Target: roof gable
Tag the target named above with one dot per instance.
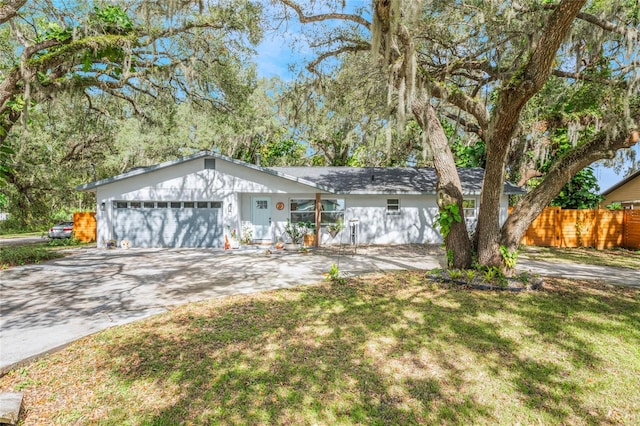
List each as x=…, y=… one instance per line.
x=137, y=171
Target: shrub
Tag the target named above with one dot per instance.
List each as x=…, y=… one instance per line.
x=334, y=275
x=63, y=242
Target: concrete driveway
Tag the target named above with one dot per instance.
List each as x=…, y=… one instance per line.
x=45, y=307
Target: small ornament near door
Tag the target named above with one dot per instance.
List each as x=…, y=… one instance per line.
x=280, y=205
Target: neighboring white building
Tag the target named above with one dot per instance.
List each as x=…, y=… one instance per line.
x=196, y=200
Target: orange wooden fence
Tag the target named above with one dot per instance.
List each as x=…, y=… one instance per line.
x=555, y=227
x=631, y=238
x=84, y=226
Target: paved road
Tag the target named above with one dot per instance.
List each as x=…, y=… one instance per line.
x=47, y=306
x=22, y=241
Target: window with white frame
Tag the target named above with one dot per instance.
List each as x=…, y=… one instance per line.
x=469, y=208
x=393, y=206
x=304, y=210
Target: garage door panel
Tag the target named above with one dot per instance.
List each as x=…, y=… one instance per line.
x=136, y=225
x=166, y=227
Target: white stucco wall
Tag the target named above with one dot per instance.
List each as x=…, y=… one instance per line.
x=413, y=223
x=235, y=185
x=189, y=181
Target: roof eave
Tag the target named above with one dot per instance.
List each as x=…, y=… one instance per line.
x=621, y=183
x=473, y=193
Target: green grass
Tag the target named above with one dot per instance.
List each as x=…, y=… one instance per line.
x=20, y=255
x=620, y=258
x=377, y=350
x=27, y=254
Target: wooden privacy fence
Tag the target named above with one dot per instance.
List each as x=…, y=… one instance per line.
x=555, y=227
x=631, y=225
x=84, y=226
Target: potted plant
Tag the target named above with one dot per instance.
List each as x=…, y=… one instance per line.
x=235, y=240
x=247, y=235
x=295, y=232
x=335, y=228
x=310, y=234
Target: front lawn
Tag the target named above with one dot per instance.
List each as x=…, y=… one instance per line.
x=382, y=349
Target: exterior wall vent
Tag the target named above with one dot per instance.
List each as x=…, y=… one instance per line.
x=210, y=163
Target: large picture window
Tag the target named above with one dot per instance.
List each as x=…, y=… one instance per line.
x=304, y=210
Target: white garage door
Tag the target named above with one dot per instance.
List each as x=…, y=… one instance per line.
x=169, y=224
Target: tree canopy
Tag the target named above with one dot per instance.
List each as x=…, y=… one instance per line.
x=581, y=192
x=143, y=63
x=136, y=51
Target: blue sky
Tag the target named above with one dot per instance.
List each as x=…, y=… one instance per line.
x=275, y=55
x=607, y=177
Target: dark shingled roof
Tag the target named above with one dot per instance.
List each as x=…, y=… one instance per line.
x=387, y=180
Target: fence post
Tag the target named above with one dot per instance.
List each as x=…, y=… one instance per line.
x=557, y=226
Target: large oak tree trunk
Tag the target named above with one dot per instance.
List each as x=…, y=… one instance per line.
x=488, y=228
x=449, y=189
x=514, y=95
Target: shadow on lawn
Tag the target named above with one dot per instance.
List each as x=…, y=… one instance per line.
x=366, y=353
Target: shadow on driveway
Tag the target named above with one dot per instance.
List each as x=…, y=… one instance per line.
x=47, y=306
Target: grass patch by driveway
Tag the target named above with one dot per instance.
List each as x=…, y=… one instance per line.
x=30, y=253
x=620, y=258
x=26, y=254
x=381, y=349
